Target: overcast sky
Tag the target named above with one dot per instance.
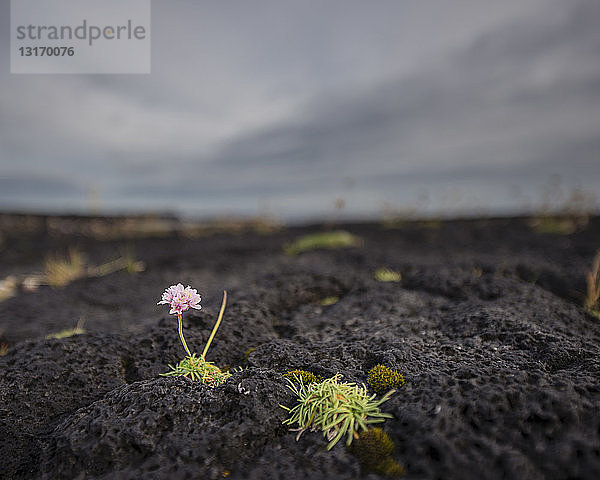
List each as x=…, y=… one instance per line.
x=281, y=107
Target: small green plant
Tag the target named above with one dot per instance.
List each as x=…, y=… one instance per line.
x=336, y=408
x=382, y=378
x=3, y=349
x=327, y=301
x=306, y=377
x=68, y=332
x=430, y=224
x=247, y=354
x=387, y=275
x=374, y=449
x=592, y=299
x=325, y=240
x=193, y=367
x=554, y=225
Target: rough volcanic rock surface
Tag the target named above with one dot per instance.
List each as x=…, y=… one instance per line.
x=502, y=364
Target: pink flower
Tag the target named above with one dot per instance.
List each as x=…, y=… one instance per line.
x=180, y=299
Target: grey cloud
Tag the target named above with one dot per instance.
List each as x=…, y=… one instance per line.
x=22, y=185
x=513, y=104
x=457, y=98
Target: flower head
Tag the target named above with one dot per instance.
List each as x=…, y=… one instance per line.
x=180, y=298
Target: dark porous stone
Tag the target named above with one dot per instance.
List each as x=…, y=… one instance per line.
x=501, y=362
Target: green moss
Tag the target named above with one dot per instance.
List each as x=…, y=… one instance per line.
x=329, y=301
x=324, y=240
x=374, y=448
x=387, y=275
x=555, y=225
x=390, y=468
x=382, y=379
x=307, y=377
x=432, y=224
x=69, y=332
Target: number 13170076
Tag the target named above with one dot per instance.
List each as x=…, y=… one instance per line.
x=46, y=51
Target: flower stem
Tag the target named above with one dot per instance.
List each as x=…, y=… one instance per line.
x=181, y=336
x=214, y=330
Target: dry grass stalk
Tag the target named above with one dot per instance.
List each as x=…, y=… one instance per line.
x=592, y=299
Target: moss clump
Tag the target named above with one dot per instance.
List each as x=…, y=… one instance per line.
x=382, y=379
x=69, y=332
x=374, y=449
x=387, y=275
x=372, y=446
x=556, y=224
x=325, y=240
x=390, y=468
x=307, y=377
x=327, y=301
